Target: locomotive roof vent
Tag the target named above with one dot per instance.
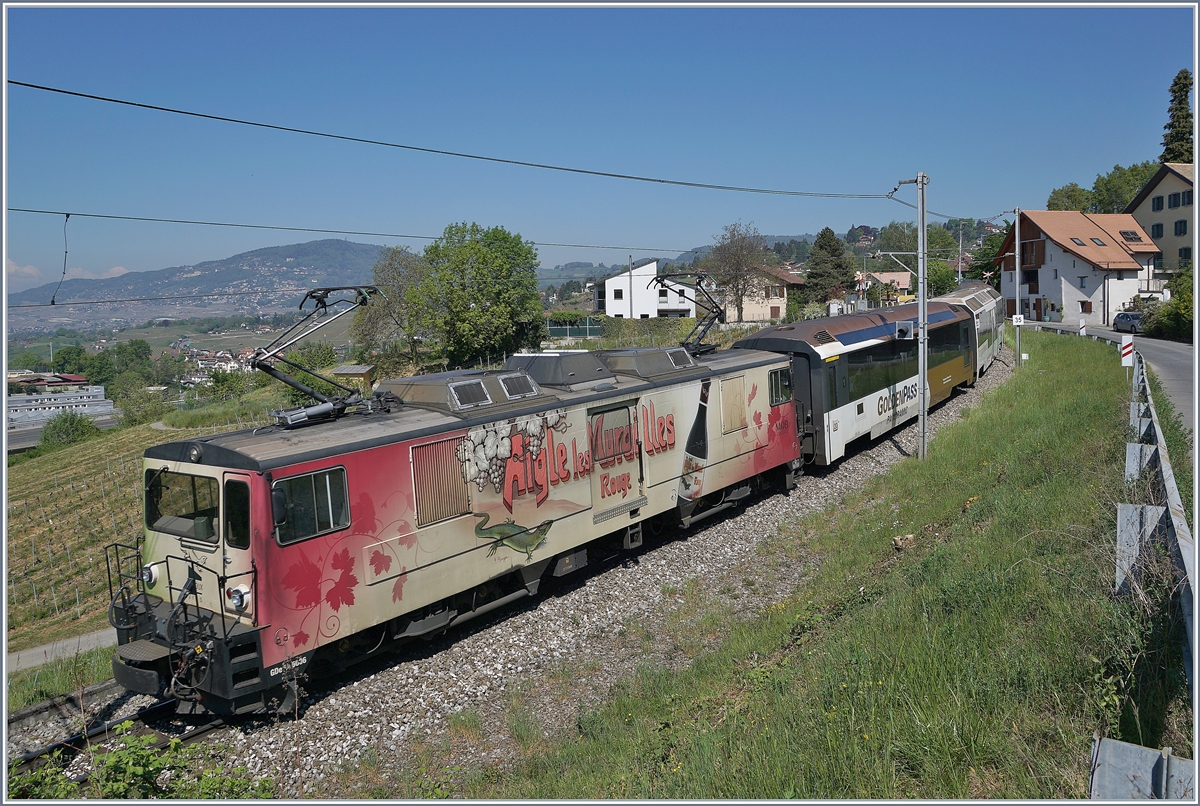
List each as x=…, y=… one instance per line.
x=823, y=337
x=571, y=370
x=647, y=362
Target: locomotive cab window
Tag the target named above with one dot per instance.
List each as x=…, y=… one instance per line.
x=182, y=505
x=781, y=386
x=313, y=504
x=237, y=514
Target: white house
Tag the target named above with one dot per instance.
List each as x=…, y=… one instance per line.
x=1076, y=265
x=633, y=295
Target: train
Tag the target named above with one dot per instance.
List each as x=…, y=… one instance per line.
x=344, y=531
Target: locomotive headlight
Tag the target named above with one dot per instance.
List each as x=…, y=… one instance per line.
x=239, y=596
x=149, y=576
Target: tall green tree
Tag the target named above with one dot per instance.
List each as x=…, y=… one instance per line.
x=1070, y=197
x=940, y=278
x=738, y=251
x=403, y=313
x=1177, y=140
x=1112, y=192
x=483, y=292
x=830, y=269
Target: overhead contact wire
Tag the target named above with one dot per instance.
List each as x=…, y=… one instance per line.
x=443, y=152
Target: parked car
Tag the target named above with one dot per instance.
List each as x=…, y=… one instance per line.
x=1130, y=322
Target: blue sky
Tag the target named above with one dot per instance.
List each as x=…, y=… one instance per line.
x=997, y=105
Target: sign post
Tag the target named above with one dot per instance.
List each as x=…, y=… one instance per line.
x=1082, y=327
x=1127, y=350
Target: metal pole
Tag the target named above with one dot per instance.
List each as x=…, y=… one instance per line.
x=1017, y=275
x=922, y=312
x=631, y=286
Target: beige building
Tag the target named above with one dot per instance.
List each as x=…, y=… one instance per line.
x=767, y=299
x=1164, y=209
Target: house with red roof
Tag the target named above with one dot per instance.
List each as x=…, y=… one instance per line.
x=1076, y=266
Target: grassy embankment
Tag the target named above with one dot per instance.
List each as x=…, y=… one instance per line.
x=976, y=663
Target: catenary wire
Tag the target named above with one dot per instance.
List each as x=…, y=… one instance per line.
x=326, y=231
x=156, y=299
x=443, y=152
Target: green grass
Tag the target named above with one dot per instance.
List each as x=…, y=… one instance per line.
x=251, y=409
x=58, y=677
x=975, y=664
x=1180, y=443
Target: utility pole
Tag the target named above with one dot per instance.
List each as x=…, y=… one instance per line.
x=922, y=309
x=631, y=286
x=1017, y=275
x=960, y=226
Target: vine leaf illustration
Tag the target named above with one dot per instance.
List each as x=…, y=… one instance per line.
x=342, y=591
x=305, y=578
x=380, y=562
x=398, y=587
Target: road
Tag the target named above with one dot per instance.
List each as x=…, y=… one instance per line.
x=22, y=439
x=1175, y=366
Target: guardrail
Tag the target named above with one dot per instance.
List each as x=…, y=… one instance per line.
x=1121, y=770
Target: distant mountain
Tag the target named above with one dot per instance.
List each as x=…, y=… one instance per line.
x=253, y=276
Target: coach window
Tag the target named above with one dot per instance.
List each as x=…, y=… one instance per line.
x=237, y=514
x=781, y=386
x=314, y=504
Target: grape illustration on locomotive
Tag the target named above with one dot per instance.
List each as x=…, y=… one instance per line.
x=363, y=521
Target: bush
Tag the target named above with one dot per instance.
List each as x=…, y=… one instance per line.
x=140, y=406
x=68, y=428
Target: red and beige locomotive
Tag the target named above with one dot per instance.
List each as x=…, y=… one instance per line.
x=357, y=523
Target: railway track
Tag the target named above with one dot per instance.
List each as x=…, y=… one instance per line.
x=157, y=720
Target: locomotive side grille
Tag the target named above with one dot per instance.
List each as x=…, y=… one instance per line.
x=438, y=484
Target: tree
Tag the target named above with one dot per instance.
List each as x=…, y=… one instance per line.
x=138, y=406
x=1069, y=197
x=67, y=428
x=1113, y=191
x=1177, y=141
x=738, y=251
x=402, y=312
x=1174, y=320
x=74, y=360
x=315, y=356
x=482, y=292
x=982, y=266
x=830, y=270
x=940, y=278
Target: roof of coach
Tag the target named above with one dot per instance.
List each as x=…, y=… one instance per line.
x=847, y=329
x=429, y=405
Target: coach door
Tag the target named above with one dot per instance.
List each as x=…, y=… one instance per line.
x=238, y=592
x=805, y=418
x=617, y=480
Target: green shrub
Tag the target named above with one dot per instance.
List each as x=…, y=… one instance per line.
x=68, y=428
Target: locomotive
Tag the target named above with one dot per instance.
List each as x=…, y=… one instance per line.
x=361, y=522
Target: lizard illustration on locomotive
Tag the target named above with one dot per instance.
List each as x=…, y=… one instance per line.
x=362, y=521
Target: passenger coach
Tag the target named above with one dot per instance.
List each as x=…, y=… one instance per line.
x=856, y=375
